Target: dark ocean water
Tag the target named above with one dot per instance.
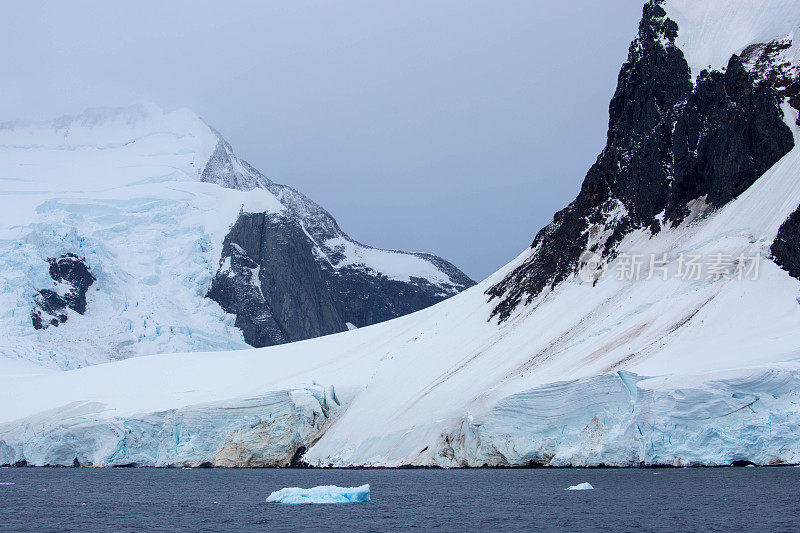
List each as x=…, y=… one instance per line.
x=86, y=499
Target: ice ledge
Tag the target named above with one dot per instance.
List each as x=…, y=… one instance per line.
x=617, y=419
x=267, y=430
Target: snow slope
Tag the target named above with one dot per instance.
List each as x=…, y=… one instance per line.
x=712, y=30
x=148, y=197
x=620, y=372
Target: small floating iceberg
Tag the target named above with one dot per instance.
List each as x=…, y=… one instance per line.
x=581, y=486
x=323, y=494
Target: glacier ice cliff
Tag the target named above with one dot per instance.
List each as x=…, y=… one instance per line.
x=618, y=419
x=623, y=420
x=267, y=430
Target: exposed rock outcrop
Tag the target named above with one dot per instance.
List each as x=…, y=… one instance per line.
x=270, y=280
x=284, y=286
x=786, y=246
x=72, y=279
x=363, y=298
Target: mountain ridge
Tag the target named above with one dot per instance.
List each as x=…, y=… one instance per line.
x=146, y=198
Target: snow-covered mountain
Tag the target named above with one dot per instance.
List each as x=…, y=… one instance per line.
x=559, y=358
x=181, y=246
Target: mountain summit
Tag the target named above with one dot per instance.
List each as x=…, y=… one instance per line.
x=189, y=248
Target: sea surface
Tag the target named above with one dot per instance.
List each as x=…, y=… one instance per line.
x=122, y=499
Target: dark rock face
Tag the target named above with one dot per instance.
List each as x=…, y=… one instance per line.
x=786, y=246
x=669, y=142
x=363, y=299
x=73, y=278
x=287, y=277
x=270, y=280
x=282, y=286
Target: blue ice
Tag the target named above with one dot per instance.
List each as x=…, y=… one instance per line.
x=322, y=494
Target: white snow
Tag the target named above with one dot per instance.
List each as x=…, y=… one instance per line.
x=324, y=494
x=394, y=265
x=19, y=367
x=710, y=31
x=581, y=486
x=154, y=250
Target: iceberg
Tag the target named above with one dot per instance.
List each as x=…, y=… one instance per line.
x=322, y=494
x=581, y=486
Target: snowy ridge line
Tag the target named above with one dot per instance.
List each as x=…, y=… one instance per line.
x=107, y=129
x=91, y=146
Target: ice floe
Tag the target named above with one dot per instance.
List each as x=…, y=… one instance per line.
x=321, y=494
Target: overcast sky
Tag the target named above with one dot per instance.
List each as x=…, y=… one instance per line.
x=452, y=127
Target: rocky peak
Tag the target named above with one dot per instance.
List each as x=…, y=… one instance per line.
x=227, y=170
x=670, y=142
x=297, y=275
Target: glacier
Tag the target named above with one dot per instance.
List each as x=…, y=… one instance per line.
x=616, y=372
x=324, y=494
